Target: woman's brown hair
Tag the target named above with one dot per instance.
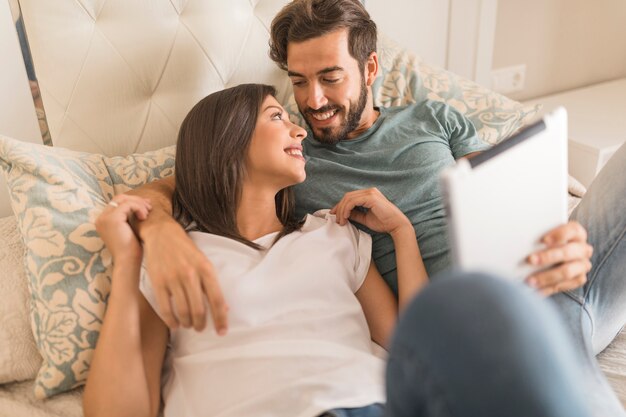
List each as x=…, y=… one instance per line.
x=213, y=142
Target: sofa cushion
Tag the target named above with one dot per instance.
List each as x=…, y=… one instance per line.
x=56, y=195
x=19, y=358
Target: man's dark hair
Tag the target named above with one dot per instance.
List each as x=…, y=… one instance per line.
x=302, y=20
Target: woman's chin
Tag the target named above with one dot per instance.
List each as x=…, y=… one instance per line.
x=296, y=179
x=301, y=178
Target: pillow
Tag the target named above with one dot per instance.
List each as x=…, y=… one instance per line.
x=404, y=79
x=19, y=359
x=56, y=195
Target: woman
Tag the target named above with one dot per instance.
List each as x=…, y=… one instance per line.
x=305, y=300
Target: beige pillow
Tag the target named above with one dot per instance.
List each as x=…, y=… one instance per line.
x=56, y=195
x=19, y=359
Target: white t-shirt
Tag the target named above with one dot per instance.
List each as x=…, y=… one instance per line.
x=297, y=342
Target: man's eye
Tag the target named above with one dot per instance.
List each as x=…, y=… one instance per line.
x=297, y=83
x=331, y=80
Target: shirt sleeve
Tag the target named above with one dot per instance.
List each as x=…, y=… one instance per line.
x=363, y=248
x=145, y=286
x=461, y=133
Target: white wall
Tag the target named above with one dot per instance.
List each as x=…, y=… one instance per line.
x=421, y=26
x=453, y=34
x=17, y=113
x=564, y=43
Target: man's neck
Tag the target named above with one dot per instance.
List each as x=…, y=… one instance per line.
x=368, y=118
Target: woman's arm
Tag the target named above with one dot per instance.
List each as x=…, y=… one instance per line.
x=375, y=296
x=124, y=377
x=379, y=306
x=412, y=276
x=178, y=270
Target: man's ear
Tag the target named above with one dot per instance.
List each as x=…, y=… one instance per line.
x=371, y=68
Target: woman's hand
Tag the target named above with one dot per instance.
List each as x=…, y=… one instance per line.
x=381, y=215
x=113, y=227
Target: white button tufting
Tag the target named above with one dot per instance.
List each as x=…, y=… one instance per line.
x=119, y=76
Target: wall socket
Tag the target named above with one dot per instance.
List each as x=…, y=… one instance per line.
x=508, y=79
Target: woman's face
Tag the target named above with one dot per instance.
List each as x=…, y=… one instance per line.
x=275, y=154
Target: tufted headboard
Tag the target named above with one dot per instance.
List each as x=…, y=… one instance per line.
x=118, y=77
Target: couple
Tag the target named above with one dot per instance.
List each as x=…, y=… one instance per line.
x=293, y=339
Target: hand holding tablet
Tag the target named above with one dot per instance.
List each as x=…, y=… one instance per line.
x=502, y=202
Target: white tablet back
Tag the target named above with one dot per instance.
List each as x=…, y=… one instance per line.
x=501, y=202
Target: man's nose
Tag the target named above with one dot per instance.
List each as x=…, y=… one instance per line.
x=316, y=98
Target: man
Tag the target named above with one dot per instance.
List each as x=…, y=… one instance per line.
x=328, y=50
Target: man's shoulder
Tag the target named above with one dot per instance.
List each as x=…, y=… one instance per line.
x=425, y=106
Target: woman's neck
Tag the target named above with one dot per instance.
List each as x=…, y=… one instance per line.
x=256, y=214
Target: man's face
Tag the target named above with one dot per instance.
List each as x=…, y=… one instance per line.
x=329, y=88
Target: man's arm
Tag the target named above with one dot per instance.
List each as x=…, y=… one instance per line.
x=181, y=274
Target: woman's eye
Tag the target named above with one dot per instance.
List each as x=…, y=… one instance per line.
x=277, y=116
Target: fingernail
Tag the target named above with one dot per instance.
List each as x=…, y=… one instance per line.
x=532, y=282
x=221, y=331
x=534, y=259
x=548, y=240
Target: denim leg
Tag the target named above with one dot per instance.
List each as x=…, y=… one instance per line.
x=602, y=212
x=596, y=312
x=476, y=346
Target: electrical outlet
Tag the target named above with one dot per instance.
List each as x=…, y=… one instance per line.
x=509, y=79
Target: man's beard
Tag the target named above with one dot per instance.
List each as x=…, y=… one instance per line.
x=350, y=123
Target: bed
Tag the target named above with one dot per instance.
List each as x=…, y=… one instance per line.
x=113, y=83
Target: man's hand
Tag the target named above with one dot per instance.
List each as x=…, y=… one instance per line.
x=181, y=277
x=180, y=273
x=567, y=255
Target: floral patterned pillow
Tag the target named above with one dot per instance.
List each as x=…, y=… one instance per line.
x=56, y=195
x=404, y=79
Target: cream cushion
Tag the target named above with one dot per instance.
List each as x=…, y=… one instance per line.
x=19, y=359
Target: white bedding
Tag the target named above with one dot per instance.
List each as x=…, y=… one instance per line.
x=18, y=400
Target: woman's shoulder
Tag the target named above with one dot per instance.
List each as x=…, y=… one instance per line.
x=318, y=220
x=323, y=220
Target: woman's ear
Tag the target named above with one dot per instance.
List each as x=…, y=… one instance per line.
x=371, y=68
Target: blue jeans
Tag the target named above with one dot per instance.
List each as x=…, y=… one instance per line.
x=596, y=312
x=471, y=345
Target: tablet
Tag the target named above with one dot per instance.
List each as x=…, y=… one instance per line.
x=501, y=202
